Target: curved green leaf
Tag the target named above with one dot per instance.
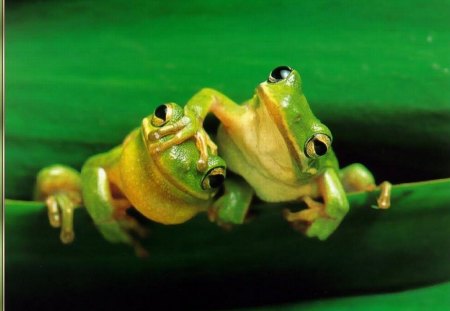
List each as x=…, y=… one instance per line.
x=372, y=251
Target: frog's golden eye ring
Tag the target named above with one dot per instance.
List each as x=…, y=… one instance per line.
x=214, y=178
x=317, y=146
x=162, y=115
x=279, y=73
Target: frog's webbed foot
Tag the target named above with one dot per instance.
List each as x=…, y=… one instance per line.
x=60, y=207
x=131, y=224
x=204, y=143
x=124, y=231
x=123, y=228
x=303, y=219
x=135, y=228
x=181, y=131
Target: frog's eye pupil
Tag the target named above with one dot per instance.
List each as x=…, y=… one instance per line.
x=320, y=147
x=214, y=178
x=162, y=114
x=216, y=181
x=317, y=146
x=279, y=73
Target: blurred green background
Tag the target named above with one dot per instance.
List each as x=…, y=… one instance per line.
x=81, y=74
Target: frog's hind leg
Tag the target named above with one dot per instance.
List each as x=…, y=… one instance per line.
x=108, y=212
x=356, y=177
x=59, y=187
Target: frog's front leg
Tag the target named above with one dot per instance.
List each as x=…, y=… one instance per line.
x=321, y=219
x=191, y=125
x=356, y=177
x=232, y=206
x=107, y=212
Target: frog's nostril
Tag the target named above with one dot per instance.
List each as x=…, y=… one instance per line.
x=317, y=146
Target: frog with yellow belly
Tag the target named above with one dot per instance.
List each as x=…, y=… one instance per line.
x=166, y=186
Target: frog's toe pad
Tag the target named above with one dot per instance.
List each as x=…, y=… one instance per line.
x=67, y=237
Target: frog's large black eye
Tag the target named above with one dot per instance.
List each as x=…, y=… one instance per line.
x=317, y=146
x=162, y=114
x=214, y=178
x=279, y=73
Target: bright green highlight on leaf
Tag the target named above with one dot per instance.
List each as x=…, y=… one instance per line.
x=433, y=297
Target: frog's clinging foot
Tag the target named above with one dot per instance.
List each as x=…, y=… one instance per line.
x=131, y=224
x=181, y=130
x=356, y=177
x=153, y=137
x=303, y=218
x=203, y=142
x=61, y=208
x=167, y=130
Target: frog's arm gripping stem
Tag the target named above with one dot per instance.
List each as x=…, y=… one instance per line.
x=205, y=101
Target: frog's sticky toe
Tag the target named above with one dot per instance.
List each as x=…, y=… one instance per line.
x=384, y=200
x=67, y=237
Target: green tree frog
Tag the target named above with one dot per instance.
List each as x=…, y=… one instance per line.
x=281, y=149
x=167, y=186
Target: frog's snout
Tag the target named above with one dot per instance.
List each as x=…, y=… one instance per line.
x=317, y=146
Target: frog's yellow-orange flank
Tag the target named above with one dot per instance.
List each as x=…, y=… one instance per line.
x=169, y=169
